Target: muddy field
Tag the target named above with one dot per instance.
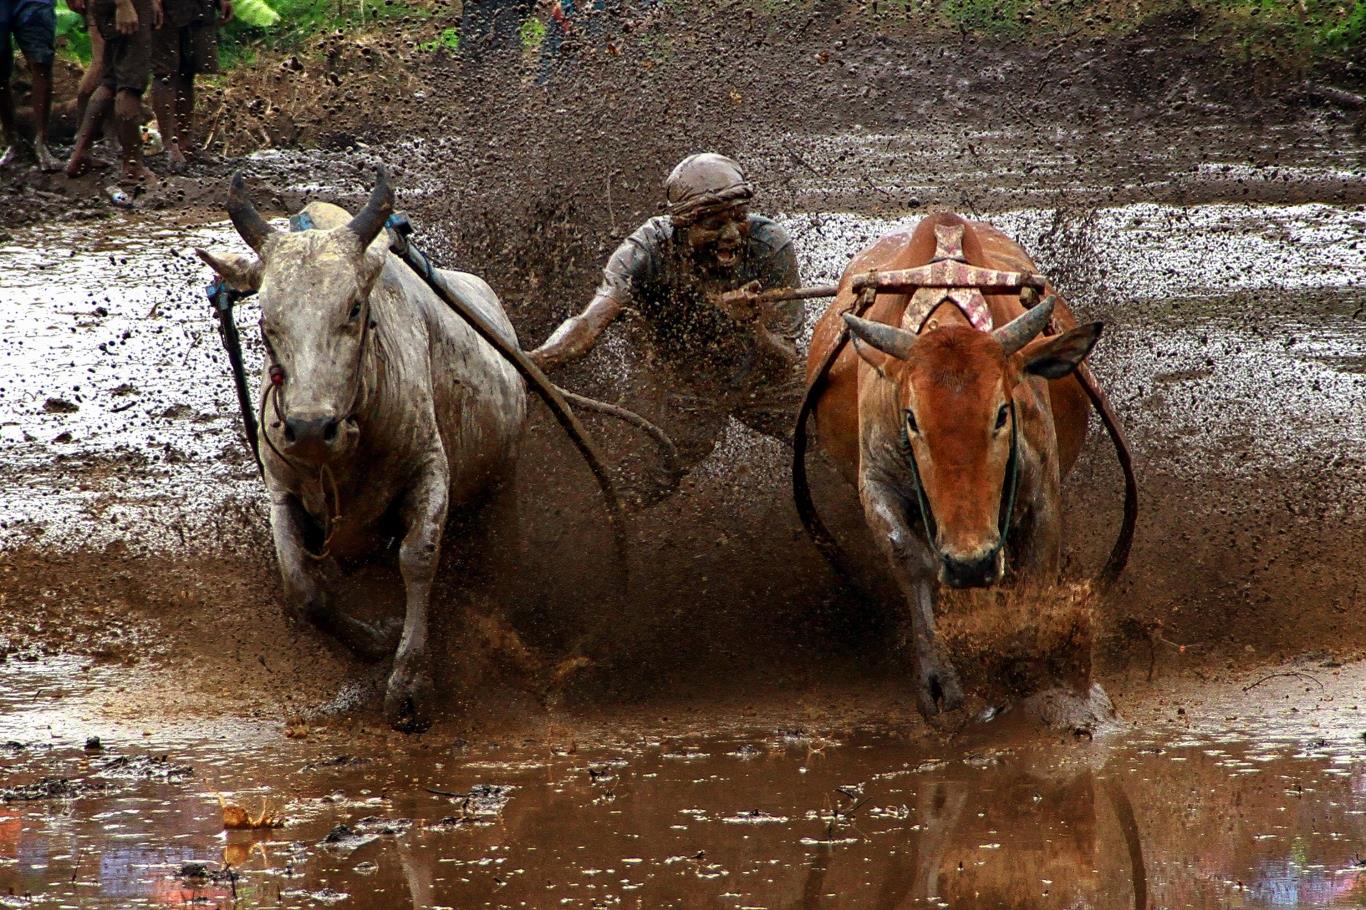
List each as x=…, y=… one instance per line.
x=742, y=736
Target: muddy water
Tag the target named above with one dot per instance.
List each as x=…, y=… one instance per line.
x=118, y=414
x=1236, y=804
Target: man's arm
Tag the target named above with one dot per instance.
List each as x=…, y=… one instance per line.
x=577, y=334
x=631, y=265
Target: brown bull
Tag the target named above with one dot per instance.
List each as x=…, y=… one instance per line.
x=956, y=435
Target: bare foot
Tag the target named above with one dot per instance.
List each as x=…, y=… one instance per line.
x=47, y=162
x=77, y=167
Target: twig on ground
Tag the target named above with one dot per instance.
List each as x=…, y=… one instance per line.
x=1296, y=673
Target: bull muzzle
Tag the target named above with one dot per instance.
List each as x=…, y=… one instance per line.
x=981, y=570
x=313, y=438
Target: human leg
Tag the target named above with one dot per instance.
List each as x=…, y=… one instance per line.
x=35, y=31
x=13, y=145
x=96, y=109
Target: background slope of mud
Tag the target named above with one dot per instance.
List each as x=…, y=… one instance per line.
x=1233, y=353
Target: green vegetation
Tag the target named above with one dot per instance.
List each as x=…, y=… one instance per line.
x=532, y=33
x=300, y=20
x=448, y=40
x=1301, y=32
x=71, y=32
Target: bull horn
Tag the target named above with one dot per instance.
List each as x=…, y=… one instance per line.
x=886, y=338
x=370, y=220
x=1021, y=330
x=249, y=223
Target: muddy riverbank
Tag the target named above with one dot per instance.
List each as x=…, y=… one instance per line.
x=741, y=734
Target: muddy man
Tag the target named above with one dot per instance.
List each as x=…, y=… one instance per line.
x=687, y=274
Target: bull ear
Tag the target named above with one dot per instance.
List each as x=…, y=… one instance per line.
x=242, y=273
x=1021, y=330
x=888, y=339
x=249, y=223
x=1059, y=356
x=370, y=220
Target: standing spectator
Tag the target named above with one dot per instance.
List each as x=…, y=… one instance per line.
x=184, y=45
x=126, y=27
x=33, y=26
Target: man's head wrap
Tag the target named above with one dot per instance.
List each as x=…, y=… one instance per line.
x=703, y=182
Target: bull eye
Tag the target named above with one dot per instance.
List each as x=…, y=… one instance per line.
x=1001, y=417
x=911, y=425
x=355, y=311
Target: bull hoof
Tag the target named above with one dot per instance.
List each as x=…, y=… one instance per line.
x=937, y=689
x=409, y=698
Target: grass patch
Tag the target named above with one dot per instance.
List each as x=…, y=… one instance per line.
x=532, y=33
x=447, y=40
x=300, y=20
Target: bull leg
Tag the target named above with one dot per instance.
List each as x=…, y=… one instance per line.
x=308, y=583
x=936, y=682
x=1039, y=553
x=409, y=696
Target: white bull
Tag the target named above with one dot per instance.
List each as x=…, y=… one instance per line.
x=382, y=411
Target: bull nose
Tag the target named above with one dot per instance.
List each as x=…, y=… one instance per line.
x=976, y=572
x=301, y=432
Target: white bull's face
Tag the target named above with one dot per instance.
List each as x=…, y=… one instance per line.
x=316, y=320
x=314, y=288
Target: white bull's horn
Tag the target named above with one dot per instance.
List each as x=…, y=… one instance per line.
x=1021, y=330
x=370, y=220
x=249, y=223
x=886, y=338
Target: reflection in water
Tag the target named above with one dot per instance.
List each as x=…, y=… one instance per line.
x=874, y=820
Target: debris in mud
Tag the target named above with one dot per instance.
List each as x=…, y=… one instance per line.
x=755, y=817
x=235, y=818
x=481, y=800
x=337, y=761
x=141, y=767
x=201, y=873
x=324, y=895
x=50, y=788
x=343, y=837
x=60, y=406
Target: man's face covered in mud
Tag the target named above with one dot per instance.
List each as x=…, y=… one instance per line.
x=716, y=238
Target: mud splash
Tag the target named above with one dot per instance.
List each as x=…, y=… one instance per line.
x=680, y=814
x=118, y=381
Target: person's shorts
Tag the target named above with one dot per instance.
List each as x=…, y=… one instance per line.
x=31, y=24
x=184, y=51
x=187, y=42
x=127, y=58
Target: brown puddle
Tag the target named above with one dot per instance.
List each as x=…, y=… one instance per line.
x=870, y=817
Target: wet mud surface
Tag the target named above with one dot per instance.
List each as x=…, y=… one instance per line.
x=1224, y=794
x=742, y=735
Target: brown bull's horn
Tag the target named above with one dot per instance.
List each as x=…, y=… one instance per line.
x=249, y=223
x=370, y=220
x=1021, y=330
x=886, y=338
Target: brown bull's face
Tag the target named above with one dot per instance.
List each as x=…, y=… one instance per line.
x=314, y=289
x=957, y=430
x=958, y=426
